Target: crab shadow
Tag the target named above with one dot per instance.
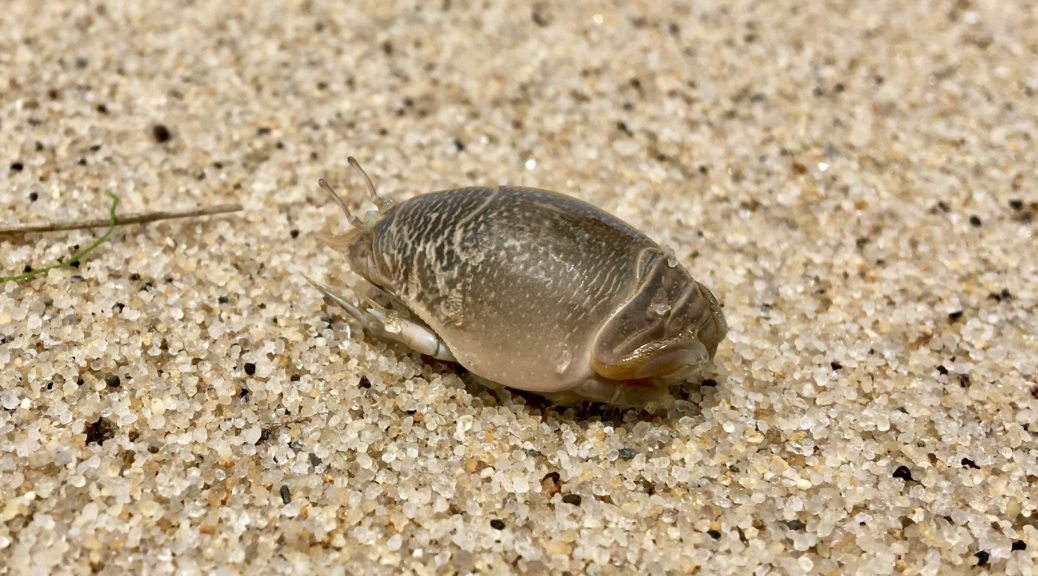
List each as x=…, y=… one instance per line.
x=688, y=398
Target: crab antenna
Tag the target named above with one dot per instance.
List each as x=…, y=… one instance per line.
x=338, y=199
x=379, y=201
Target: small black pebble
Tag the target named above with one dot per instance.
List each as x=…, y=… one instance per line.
x=713, y=534
x=1018, y=545
x=975, y=221
x=953, y=316
x=250, y=368
x=497, y=524
x=17, y=167
x=223, y=299
x=942, y=370
x=79, y=382
x=836, y=365
x=135, y=276
x=27, y=269
x=364, y=382
x=50, y=385
x=262, y=131
x=459, y=146
x=293, y=233
x=33, y=196
x=74, y=263
x=1001, y=295
x=796, y=524
x=1016, y=204
x=982, y=558
x=628, y=453
x=160, y=133
x=540, y=18
x=243, y=393
x=903, y=473
x=573, y=499
x=286, y=494
x=98, y=432
x=102, y=109
x=967, y=463
x=113, y=381
x=709, y=383
x=315, y=460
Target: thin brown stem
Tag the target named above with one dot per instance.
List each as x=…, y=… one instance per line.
x=142, y=218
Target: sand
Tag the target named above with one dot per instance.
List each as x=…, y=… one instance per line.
x=854, y=180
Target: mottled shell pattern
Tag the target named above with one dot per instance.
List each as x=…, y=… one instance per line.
x=533, y=290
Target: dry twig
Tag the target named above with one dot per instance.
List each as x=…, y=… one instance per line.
x=110, y=223
x=141, y=218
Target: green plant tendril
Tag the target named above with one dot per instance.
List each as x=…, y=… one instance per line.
x=78, y=257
